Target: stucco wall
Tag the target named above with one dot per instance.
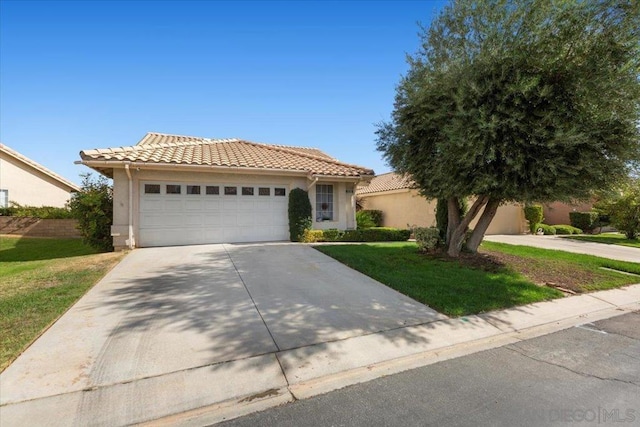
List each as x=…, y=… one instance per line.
x=558, y=212
x=404, y=208
x=28, y=186
x=343, y=199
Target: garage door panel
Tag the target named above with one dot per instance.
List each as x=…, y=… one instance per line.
x=151, y=205
x=182, y=219
x=193, y=205
x=212, y=205
x=173, y=205
x=213, y=219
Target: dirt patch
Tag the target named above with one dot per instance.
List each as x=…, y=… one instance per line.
x=558, y=274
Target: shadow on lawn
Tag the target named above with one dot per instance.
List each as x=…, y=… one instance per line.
x=202, y=299
x=16, y=249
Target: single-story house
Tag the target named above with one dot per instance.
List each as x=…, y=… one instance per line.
x=179, y=190
x=28, y=183
x=558, y=212
x=402, y=206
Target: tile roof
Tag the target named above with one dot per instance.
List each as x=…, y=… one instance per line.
x=38, y=167
x=157, y=148
x=163, y=138
x=386, y=182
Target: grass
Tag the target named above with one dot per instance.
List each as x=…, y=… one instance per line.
x=39, y=280
x=456, y=290
x=608, y=238
x=576, y=264
x=445, y=286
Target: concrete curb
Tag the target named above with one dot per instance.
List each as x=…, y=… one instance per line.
x=355, y=363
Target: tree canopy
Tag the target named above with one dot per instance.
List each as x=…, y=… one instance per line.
x=518, y=101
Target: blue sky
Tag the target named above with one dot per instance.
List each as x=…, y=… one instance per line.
x=79, y=75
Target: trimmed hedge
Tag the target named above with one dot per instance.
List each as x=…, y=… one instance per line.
x=586, y=221
x=364, y=220
x=376, y=216
x=533, y=214
x=42, y=212
x=299, y=214
x=374, y=234
x=548, y=230
x=566, y=229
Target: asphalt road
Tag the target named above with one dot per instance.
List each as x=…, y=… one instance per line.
x=583, y=376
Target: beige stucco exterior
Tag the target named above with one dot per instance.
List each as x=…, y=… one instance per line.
x=558, y=212
x=30, y=186
x=405, y=208
x=344, y=202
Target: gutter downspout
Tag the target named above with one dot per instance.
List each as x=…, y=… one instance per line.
x=315, y=181
x=130, y=241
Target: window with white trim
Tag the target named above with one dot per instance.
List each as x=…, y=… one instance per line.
x=4, y=198
x=324, y=202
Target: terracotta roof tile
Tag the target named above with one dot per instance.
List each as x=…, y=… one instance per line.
x=386, y=182
x=186, y=150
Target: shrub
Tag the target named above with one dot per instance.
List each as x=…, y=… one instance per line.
x=533, y=214
x=332, y=235
x=427, y=238
x=376, y=234
x=92, y=206
x=584, y=220
x=625, y=213
x=299, y=214
x=312, y=236
x=364, y=220
x=548, y=230
x=376, y=216
x=566, y=229
x=42, y=212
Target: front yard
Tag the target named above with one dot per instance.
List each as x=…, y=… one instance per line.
x=608, y=238
x=39, y=280
x=501, y=276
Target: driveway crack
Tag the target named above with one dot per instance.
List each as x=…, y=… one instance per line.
x=582, y=374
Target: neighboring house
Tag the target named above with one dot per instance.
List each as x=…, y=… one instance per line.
x=558, y=212
x=403, y=206
x=26, y=182
x=180, y=190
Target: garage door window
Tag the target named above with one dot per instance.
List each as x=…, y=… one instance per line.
x=213, y=190
x=230, y=191
x=279, y=192
x=193, y=189
x=264, y=191
x=152, y=189
x=173, y=189
x=324, y=202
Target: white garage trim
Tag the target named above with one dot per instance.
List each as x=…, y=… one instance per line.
x=184, y=213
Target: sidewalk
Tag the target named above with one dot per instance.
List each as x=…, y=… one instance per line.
x=213, y=393
x=621, y=253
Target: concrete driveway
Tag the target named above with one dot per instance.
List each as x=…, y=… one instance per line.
x=179, y=328
x=621, y=253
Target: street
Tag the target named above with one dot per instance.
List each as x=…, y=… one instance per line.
x=585, y=375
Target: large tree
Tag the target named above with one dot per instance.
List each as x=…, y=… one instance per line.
x=518, y=101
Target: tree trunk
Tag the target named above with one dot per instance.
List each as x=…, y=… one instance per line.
x=457, y=237
x=453, y=218
x=483, y=223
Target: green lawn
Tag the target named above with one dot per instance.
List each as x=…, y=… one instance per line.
x=39, y=280
x=456, y=290
x=608, y=238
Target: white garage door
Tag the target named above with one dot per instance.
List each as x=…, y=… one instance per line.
x=186, y=214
